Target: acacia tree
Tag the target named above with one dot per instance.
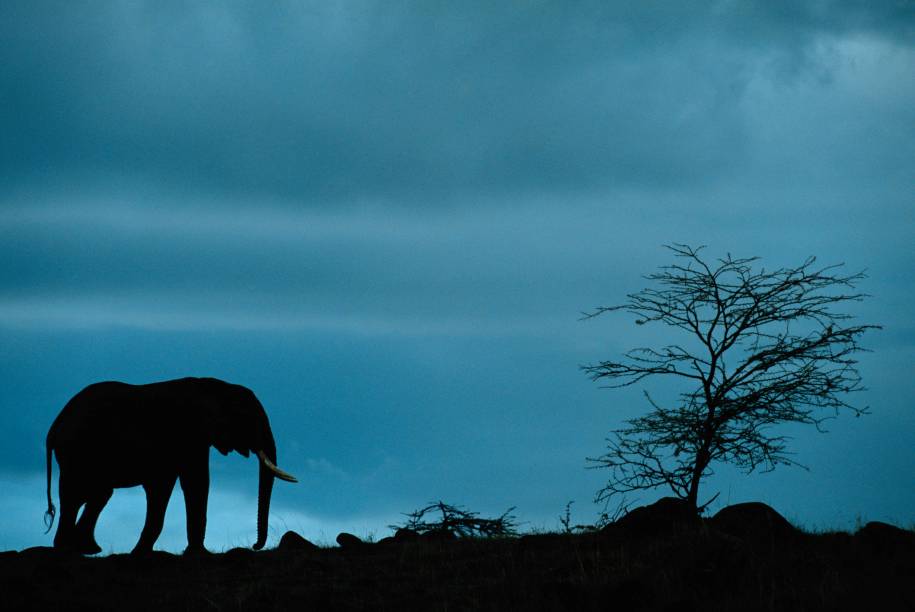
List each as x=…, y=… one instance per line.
x=760, y=348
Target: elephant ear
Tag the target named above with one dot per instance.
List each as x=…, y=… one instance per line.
x=225, y=426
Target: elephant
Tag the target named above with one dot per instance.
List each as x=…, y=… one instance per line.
x=114, y=435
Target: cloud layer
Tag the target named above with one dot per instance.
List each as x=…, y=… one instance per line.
x=322, y=102
x=385, y=218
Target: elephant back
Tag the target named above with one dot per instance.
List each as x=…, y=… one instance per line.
x=89, y=414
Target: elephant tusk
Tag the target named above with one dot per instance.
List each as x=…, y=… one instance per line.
x=279, y=473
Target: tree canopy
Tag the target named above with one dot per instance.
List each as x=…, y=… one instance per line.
x=754, y=348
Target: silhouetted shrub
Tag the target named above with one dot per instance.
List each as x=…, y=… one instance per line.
x=455, y=521
x=405, y=535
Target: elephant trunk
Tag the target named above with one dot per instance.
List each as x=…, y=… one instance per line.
x=264, y=491
x=268, y=471
x=266, y=457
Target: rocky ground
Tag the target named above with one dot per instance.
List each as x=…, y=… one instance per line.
x=747, y=557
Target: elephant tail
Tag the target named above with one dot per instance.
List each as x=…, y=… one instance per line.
x=51, y=511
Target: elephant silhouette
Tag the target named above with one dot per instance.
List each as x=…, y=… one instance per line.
x=112, y=435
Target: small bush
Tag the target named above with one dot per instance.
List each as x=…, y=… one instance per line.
x=460, y=522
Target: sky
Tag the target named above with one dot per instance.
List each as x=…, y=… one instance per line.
x=386, y=219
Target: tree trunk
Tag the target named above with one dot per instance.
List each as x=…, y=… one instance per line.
x=693, y=496
x=702, y=461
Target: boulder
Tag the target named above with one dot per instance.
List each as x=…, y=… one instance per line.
x=293, y=541
x=348, y=540
x=752, y=520
x=884, y=539
x=401, y=536
x=667, y=515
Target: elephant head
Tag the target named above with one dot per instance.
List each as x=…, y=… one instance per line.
x=113, y=435
x=236, y=421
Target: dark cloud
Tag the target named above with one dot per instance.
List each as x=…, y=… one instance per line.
x=386, y=218
x=321, y=102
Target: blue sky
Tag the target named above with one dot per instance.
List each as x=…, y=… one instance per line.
x=385, y=219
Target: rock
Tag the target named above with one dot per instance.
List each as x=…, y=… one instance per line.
x=884, y=539
x=752, y=520
x=666, y=515
x=293, y=541
x=881, y=529
x=401, y=536
x=348, y=540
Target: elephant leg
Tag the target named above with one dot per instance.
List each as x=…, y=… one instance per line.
x=70, y=502
x=157, y=494
x=85, y=526
x=195, y=483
